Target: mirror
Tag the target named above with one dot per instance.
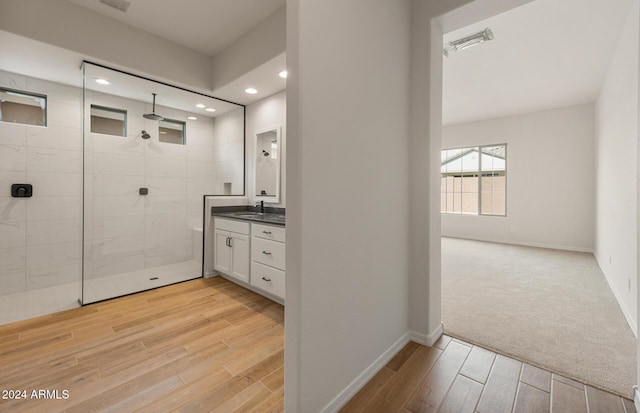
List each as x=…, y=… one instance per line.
x=267, y=165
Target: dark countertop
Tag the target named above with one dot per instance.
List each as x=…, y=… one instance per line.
x=274, y=216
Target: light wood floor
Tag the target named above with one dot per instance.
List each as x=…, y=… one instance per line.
x=209, y=345
x=456, y=377
x=206, y=345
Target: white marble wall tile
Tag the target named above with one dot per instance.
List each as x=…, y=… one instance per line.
x=54, y=207
x=56, y=92
x=118, y=164
x=13, y=260
x=53, y=255
x=118, y=205
x=55, y=137
x=117, y=265
x=155, y=223
x=176, y=168
x=166, y=240
x=63, y=114
x=164, y=185
x=159, y=257
x=202, y=153
x=165, y=150
x=235, y=151
x=194, y=221
x=13, y=80
x=158, y=204
x=197, y=169
x=51, y=276
x=119, y=226
x=13, y=283
x=13, y=234
x=13, y=209
x=13, y=157
x=114, y=246
x=119, y=185
x=54, y=160
x=54, y=231
x=55, y=184
x=114, y=144
x=201, y=186
x=7, y=178
x=195, y=204
x=13, y=134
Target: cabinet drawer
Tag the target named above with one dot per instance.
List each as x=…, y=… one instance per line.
x=268, y=279
x=268, y=252
x=268, y=232
x=240, y=227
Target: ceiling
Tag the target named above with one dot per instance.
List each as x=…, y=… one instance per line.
x=546, y=54
x=207, y=26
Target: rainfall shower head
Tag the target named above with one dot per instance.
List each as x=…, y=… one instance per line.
x=152, y=115
x=145, y=134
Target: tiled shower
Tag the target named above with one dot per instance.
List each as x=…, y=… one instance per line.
x=90, y=231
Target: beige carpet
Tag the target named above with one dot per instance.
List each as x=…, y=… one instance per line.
x=550, y=308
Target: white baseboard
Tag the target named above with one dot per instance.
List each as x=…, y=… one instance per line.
x=625, y=311
x=354, y=387
x=523, y=243
x=427, y=339
x=636, y=398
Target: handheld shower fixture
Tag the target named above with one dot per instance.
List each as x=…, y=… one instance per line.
x=152, y=115
x=145, y=135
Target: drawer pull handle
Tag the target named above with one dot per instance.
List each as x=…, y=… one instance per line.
x=266, y=252
x=266, y=232
x=266, y=279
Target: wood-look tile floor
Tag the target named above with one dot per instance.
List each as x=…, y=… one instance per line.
x=457, y=377
x=205, y=345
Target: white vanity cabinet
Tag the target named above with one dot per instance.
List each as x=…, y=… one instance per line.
x=232, y=248
x=268, y=258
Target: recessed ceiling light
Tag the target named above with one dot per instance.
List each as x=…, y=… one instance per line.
x=283, y=74
x=192, y=118
x=251, y=91
x=103, y=81
x=200, y=105
x=210, y=109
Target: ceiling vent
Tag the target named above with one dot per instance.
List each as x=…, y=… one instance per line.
x=466, y=42
x=122, y=5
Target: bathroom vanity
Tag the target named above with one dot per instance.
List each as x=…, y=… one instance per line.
x=249, y=249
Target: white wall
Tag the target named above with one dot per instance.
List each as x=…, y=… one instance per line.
x=347, y=225
x=264, y=42
x=261, y=115
x=550, y=179
x=616, y=171
x=107, y=40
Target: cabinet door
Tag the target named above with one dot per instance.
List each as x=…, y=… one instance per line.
x=222, y=254
x=240, y=256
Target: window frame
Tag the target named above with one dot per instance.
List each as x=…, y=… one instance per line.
x=175, y=122
x=113, y=110
x=479, y=173
x=29, y=94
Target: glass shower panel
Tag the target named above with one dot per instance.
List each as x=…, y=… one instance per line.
x=143, y=192
x=40, y=196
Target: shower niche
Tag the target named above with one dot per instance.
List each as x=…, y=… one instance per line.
x=151, y=153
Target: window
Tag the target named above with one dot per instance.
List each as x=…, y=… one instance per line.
x=473, y=180
x=108, y=121
x=23, y=107
x=172, y=131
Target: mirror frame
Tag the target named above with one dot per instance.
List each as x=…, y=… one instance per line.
x=267, y=199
